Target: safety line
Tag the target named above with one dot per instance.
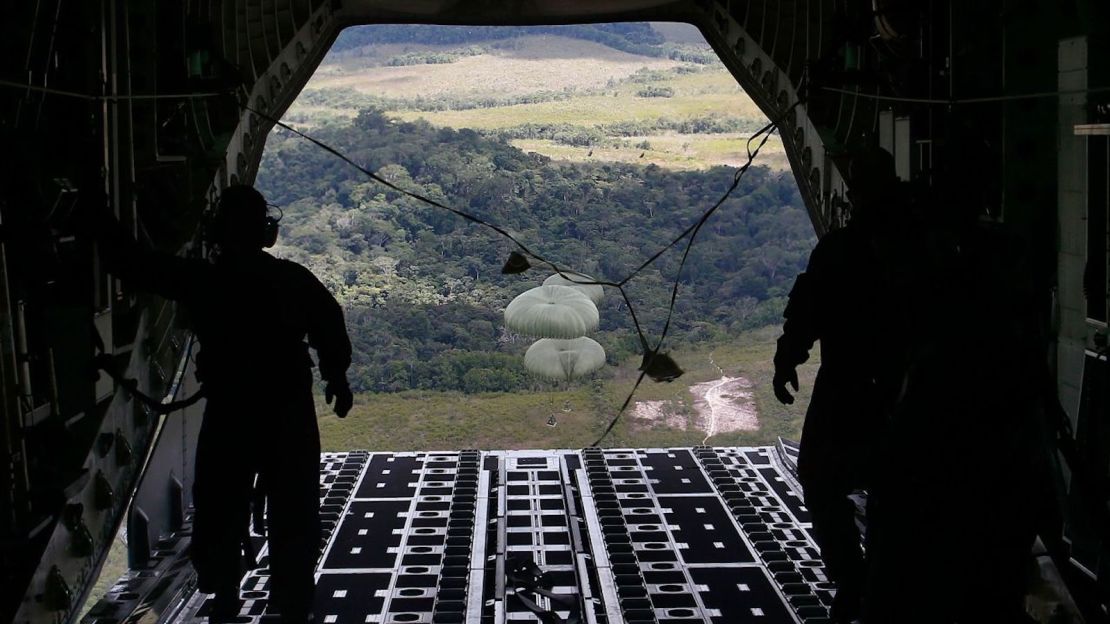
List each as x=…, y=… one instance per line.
x=958, y=101
x=691, y=231
x=871, y=96
x=90, y=97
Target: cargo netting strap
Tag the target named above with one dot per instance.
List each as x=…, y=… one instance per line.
x=104, y=362
x=525, y=577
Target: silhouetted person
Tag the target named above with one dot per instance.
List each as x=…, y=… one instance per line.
x=952, y=519
x=840, y=301
x=252, y=314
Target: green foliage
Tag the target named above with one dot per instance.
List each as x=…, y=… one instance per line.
x=434, y=58
x=423, y=289
x=416, y=419
x=348, y=98
x=690, y=54
x=581, y=136
x=636, y=38
x=631, y=37
x=655, y=91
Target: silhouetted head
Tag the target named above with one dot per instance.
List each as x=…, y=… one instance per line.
x=872, y=183
x=242, y=222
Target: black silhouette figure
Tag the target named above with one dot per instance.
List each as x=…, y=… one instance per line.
x=252, y=314
x=963, y=486
x=839, y=301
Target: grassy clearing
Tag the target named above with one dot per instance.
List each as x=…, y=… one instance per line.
x=447, y=420
x=748, y=356
x=441, y=420
x=673, y=151
x=706, y=80
x=600, y=85
x=516, y=67
x=590, y=111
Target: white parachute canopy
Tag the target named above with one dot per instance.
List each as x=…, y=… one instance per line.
x=552, y=312
x=564, y=359
x=594, y=291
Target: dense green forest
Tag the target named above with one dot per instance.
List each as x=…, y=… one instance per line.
x=422, y=287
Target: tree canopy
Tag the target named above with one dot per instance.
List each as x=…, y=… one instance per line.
x=422, y=287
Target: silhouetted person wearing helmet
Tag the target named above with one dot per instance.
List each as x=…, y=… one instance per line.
x=252, y=314
x=839, y=301
x=964, y=483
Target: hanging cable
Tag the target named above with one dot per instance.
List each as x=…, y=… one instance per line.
x=105, y=363
x=654, y=362
x=693, y=230
x=870, y=96
x=467, y=216
x=658, y=365
x=90, y=97
x=959, y=101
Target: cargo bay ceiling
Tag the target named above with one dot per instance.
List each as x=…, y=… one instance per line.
x=153, y=106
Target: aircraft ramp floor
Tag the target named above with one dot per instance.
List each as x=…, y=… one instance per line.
x=672, y=536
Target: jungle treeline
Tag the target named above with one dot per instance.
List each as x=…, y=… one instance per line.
x=422, y=287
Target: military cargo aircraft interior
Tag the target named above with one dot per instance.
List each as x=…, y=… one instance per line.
x=130, y=124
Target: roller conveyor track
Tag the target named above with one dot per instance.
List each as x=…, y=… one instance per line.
x=624, y=535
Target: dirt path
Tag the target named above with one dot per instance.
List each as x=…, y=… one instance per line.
x=713, y=400
x=723, y=405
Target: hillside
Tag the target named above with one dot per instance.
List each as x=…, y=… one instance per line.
x=634, y=144
x=626, y=95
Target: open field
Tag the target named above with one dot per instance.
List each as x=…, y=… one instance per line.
x=673, y=151
x=587, y=111
x=442, y=420
x=516, y=67
x=598, y=88
x=546, y=80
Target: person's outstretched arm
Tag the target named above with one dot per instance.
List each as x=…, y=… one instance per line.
x=327, y=334
x=141, y=268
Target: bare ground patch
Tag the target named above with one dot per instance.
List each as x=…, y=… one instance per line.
x=721, y=406
x=666, y=413
x=725, y=405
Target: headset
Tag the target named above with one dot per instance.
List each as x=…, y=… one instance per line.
x=270, y=226
x=214, y=227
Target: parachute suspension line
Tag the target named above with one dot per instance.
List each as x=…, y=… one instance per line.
x=465, y=215
x=766, y=131
x=694, y=227
x=650, y=354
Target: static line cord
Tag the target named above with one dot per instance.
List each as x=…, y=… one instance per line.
x=467, y=216
x=959, y=101
x=93, y=98
x=766, y=131
x=873, y=96
x=689, y=231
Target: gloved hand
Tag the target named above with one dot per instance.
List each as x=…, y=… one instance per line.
x=341, y=392
x=782, y=377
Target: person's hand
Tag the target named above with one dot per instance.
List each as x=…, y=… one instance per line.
x=782, y=377
x=341, y=392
